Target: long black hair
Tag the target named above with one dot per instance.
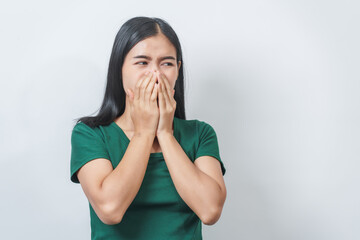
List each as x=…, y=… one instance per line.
x=130, y=33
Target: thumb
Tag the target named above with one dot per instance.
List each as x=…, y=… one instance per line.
x=131, y=95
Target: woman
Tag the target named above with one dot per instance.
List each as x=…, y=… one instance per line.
x=147, y=172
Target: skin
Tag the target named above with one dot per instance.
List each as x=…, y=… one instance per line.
x=201, y=185
x=155, y=47
x=111, y=191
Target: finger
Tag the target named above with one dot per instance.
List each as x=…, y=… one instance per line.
x=154, y=93
x=162, y=103
x=150, y=89
x=138, y=86
x=144, y=87
x=164, y=91
x=167, y=84
x=131, y=95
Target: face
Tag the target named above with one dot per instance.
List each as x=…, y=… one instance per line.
x=153, y=53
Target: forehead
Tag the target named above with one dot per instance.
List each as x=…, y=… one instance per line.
x=154, y=45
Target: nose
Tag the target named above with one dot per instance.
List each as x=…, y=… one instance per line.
x=156, y=70
x=154, y=67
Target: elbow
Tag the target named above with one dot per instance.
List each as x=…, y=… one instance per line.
x=212, y=216
x=110, y=215
x=111, y=219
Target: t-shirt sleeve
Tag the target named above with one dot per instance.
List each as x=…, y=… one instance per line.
x=86, y=145
x=208, y=143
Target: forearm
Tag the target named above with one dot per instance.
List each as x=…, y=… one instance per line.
x=121, y=186
x=198, y=190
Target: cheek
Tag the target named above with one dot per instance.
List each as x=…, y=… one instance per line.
x=130, y=78
x=171, y=78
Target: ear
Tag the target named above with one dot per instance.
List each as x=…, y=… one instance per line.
x=179, y=64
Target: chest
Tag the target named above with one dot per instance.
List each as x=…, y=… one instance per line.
x=155, y=146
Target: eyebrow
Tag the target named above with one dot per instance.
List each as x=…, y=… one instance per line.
x=149, y=58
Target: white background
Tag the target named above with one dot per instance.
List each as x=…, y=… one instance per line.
x=278, y=80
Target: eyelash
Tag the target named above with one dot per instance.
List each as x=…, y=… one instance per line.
x=170, y=64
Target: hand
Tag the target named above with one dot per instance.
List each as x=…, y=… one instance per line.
x=143, y=104
x=167, y=106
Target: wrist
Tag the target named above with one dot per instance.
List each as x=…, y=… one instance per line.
x=164, y=135
x=145, y=134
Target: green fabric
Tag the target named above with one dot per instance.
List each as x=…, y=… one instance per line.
x=157, y=212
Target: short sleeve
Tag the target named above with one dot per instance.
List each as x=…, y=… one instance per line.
x=208, y=143
x=86, y=145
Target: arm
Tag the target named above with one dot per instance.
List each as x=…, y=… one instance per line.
x=111, y=191
x=200, y=185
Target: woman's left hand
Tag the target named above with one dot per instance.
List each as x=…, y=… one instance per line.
x=167, y=106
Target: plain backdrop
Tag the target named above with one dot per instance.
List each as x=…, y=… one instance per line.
x=278, y=80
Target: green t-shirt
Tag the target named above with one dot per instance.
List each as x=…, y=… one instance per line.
x=157, y=212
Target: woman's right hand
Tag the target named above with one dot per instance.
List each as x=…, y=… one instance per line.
x=144, y=109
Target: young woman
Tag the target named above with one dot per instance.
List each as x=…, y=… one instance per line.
x=147, y=172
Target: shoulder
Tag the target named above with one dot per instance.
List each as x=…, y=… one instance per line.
x=192, y=123
x=80, y=126
x=82, y=129
x=196, y=126
x=186, y=124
